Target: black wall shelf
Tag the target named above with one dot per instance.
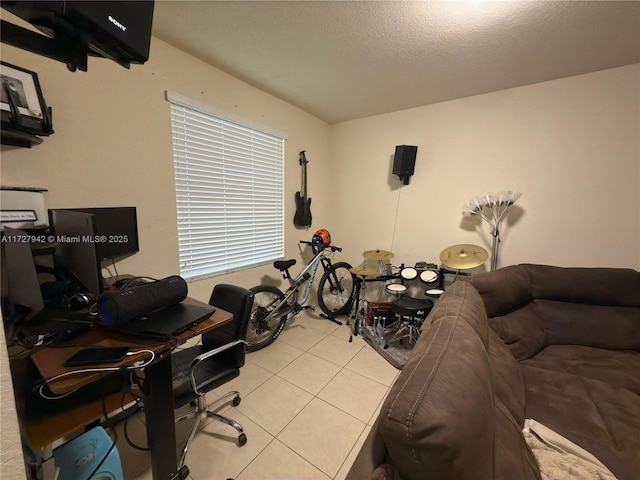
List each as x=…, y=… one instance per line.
x=17, y=138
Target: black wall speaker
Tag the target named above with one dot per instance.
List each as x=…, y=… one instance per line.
x=404, y=162
x=131, y=303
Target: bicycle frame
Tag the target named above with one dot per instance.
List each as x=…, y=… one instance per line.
x=307, y=275
x=273, y=307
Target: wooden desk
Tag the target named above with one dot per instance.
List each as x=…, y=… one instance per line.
x=158, y=389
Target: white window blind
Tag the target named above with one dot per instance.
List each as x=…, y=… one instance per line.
x=229, y=180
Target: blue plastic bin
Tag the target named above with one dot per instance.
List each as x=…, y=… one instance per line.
x=82, y=455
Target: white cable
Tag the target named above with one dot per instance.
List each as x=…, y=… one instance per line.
x=135, y=366
x=395, y=222
x=42, y=394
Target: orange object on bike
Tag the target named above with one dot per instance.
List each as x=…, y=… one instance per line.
x=321, y=239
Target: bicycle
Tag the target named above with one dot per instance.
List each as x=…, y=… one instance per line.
x=272, y=308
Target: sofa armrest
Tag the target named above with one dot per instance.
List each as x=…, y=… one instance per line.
x=373, y=453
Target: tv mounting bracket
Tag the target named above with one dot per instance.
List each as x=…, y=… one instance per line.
x=63, y=48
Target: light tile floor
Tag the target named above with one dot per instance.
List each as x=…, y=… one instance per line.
x=308, y=403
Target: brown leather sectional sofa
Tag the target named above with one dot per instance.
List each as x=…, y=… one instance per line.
x=557, y=345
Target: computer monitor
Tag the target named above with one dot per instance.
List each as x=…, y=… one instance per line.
x=117, y=229
x=76, y=255
x=20, y=283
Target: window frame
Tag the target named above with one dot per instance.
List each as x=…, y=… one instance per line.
x=237, y=152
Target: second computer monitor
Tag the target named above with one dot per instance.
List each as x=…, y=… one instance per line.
x=117, y=229
x=76, y=255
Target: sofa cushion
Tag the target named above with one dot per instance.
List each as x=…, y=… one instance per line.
x=611, y=327
x=504, y=292
x=601, y=418
x=522, y=330
x=442, y=417
x=593, y=286
x=619, y=369
x=532, y=306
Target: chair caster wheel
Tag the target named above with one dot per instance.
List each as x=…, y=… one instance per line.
x=242, y=439
x=183, y=473
x=236, y=401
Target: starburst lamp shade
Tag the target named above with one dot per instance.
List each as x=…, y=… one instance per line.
x=492, y=208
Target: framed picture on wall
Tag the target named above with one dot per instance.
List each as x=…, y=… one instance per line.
x=22, y=105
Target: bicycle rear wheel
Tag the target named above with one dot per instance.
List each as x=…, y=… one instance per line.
x=336, y=289
x=264, y=327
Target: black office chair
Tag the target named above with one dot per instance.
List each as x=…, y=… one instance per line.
x=197, y=370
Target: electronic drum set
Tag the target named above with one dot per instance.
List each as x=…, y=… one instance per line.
x=405, y=313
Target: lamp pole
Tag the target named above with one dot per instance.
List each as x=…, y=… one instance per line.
x=492, y=208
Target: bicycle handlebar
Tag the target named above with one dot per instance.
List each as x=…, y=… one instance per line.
x=330, y=247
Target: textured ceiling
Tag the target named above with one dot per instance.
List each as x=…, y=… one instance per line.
x=346, y=60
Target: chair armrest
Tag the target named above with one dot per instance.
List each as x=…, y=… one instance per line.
x=210, y=353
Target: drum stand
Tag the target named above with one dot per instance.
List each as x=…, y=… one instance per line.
x=413, y=331
x=360, y=303
x=374, y=333
x=360, y=311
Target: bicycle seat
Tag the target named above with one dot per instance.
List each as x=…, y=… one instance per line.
x=283, y=265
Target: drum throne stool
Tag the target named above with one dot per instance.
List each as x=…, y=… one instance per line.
x=411, y=314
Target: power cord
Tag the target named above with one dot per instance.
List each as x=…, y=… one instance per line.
x=135, y=366
x=395, y=221
x=133, y=280
x=115, y=269
x=126, y=430
x=113, y=440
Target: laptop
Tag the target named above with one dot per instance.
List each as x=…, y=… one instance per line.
x=52, y=331
x=168, y=322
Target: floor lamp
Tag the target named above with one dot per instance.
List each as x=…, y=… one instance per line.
x=492, y=208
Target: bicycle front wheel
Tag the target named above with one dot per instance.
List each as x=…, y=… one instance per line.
x=336, y=289
x=264, y=326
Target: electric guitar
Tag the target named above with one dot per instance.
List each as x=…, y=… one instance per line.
x=302, y=217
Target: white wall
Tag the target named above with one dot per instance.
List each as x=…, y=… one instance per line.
x=112, y=147
x=571, y=146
